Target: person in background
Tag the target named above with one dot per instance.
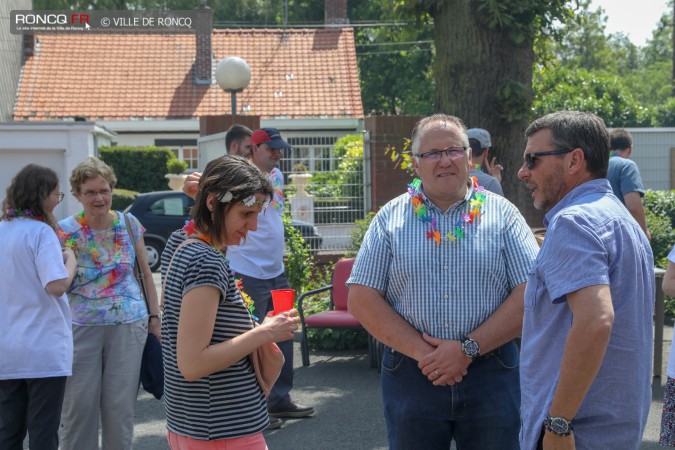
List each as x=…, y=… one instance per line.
x=439, y=280
x=238, y=140
x=480, y=143
x=259, y=263
x=667, y=438
x=213, y=399
x=110, y=317
x=624, y=176
x=586, y=352
x=36, y=342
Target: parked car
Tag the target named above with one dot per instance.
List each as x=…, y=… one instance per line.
x=163, y=212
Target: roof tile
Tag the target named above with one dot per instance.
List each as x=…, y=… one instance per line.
x=117, y=77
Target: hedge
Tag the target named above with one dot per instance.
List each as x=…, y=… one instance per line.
x=139, y=169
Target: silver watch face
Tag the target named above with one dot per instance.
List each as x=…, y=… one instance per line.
x=559, y=425
x=470, y=348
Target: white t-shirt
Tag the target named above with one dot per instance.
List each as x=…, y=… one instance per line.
x=36, y=340
x=670, y=370
x=261, y=255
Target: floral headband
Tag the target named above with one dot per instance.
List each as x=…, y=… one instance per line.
x=249, y=201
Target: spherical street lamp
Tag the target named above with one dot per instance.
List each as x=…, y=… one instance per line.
x=233, y=75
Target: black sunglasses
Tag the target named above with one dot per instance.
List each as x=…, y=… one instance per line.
x=530, y=158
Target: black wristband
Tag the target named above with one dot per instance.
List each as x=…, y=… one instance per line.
x=154, y=316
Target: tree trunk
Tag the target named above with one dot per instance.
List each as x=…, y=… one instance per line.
x=672, y=82
x=484, y=77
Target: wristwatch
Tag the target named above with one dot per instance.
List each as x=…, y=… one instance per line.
x=558, y=426
x=470, y=347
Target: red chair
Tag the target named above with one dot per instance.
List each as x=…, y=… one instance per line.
x=337, y=315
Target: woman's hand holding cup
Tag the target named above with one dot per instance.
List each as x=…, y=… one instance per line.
x=282, y=326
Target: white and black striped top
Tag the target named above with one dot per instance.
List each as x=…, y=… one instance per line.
x=225, y=404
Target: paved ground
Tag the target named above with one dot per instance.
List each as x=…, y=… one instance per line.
x=345, y=393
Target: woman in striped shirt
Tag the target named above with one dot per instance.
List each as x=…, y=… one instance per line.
x=212, y=397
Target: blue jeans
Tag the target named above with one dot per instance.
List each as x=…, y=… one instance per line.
x=482, y=412
x=261, y=293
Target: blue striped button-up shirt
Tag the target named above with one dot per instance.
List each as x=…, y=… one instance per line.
x=446, y=290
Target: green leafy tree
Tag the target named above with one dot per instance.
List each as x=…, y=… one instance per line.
x=395, y=58
x=593, y=91
x=483, y=71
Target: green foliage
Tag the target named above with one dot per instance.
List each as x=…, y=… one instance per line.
x=339, y=193
x=402, y=159
x=359, y=231
x=337, y=339
x=639, y=78
x=141, y=169
x=121, y=198
x=298, y=264
x=324, y=184
x=661, y=203
x=660, y=209
x=523, y=17
x=663, y=237
x=395, y=59
x=598, y=92
x=347, y=180
x=176, y=166
x=665, y=113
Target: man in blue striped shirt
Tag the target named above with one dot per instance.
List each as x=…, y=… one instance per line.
x=439, y=279
x=587, y=329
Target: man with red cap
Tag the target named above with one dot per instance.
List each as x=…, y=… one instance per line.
x=259, y=262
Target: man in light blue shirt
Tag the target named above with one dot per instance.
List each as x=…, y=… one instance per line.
x=481, y=143
x=439, y=279
x=624, y=176
x=587, y=331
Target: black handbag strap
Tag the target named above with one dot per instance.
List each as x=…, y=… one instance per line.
x=138, y=273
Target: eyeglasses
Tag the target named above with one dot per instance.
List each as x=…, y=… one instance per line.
x=60, y=196
x=94, y=194
x=530, y=158
x=436, y=155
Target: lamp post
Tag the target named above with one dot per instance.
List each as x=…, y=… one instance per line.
x=233, y=75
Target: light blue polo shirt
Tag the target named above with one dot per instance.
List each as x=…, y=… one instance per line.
x=591, y=239
x=450, y=289
x=624, y=177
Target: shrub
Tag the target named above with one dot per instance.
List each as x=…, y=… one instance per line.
x=176, y=166
x=299, y=263
x=359, y=231
x=661, y=203
x=660, y=209
x=140, y=169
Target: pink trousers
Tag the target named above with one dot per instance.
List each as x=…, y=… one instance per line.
x=252, y=442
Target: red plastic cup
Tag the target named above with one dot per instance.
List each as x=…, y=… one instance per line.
x=283, y=300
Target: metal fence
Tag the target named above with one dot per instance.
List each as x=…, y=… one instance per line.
x=335, y=195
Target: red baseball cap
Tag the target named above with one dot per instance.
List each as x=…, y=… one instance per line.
x=269, y=136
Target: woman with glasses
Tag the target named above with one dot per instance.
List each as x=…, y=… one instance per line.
x=36, y=343
x=110, y=316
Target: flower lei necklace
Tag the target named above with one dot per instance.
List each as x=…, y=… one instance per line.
x=11, y=212
x=459, y=230
x=71, y=242
x=191, y=231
